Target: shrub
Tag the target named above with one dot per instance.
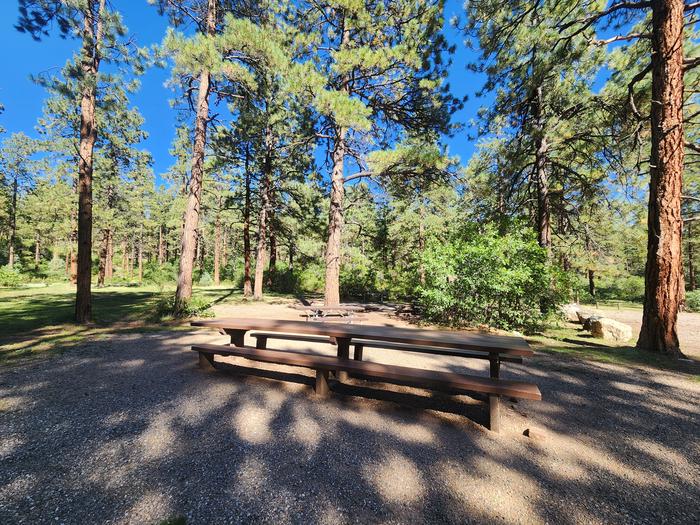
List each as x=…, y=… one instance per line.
x=692, y=301
x=10, y=277
x=159, y=275
x=195, y=307
x=205, y=279
x=504, y=281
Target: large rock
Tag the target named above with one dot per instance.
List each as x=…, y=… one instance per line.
x=570, y=312
x=610, y=330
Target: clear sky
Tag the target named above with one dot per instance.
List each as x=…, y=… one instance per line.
x=22, y=57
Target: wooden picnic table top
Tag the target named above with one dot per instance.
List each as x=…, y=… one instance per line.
x=500, y=344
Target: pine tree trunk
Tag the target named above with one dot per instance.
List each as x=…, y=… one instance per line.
x=224, y=248
x=140, y=256
x=591, y=283
x=544, y=227
x=217, y=250
x=335, y=223
x=691, y=261
x=191, y=219
x=104, y=252
x=90, y=63
x=37, y=251
x=664, y=286
x=272, y=266
x=335, y=213
x=161, y=246
x=247, y=284
x=261, y=254
x=109, y=264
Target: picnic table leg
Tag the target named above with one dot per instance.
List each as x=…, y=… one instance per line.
x=343, y=353
x=237, y=337
x=358, y=352
x=206, y=361
x=494, y=413
x=321, y=387
x=495, y=367
x=261, y=342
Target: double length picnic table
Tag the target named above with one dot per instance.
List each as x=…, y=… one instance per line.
x=495, y=345
x=495, y=348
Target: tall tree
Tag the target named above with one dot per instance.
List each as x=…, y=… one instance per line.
x=383, y=69
x=18, y=169
x=662, y=24
x=103, y=38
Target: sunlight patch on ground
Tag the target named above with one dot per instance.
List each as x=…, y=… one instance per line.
x=396, y=478
x=159, y=438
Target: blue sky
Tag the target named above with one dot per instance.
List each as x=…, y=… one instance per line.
x=23, y=57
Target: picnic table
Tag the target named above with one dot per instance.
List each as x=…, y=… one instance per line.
x=319, y=312
x=495, y=348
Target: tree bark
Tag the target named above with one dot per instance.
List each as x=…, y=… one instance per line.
x=140, y=258
x=37, y=251
x=421, y=242
x=335, y=222
x=272, y=266
x=90, y=63
x=191, y=219
x=132, y=259
x=691, y=261
x=591, y=282
x=266, y=182
x=161, y=246
x=109, y=266
x=664, y=284
x=247, y=284
x=544, y=227
x=104, y=252
x=217, y=250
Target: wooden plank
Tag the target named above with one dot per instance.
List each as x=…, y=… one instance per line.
x=475, y=354
x=509, y=345
x=419, y=377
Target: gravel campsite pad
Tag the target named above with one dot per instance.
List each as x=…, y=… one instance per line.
x=129, y=430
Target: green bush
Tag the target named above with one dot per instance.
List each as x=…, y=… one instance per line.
x=205, y=279
x=195, y=307
x=692, y=301
x=154, y=273
x=485, y=278
x=10, y=277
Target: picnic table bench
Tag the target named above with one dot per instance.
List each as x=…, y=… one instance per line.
x=463, y=344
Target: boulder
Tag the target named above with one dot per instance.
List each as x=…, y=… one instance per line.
x=570, y=312
x=610, y=330
x=588, y=320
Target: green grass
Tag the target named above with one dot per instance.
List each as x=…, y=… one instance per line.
x=36, y=320
x=579, y=344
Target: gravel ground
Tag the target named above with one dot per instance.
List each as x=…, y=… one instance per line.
x=129, y=430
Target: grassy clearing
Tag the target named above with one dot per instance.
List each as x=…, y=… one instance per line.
x=576, y=343
x=36, y=320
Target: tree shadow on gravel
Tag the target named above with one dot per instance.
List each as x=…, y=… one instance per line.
x=130, y=430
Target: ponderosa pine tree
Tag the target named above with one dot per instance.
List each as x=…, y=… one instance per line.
x=541, y=145
x=103, y=38
x=19, y=170
x=665, y=26
x=383, y=61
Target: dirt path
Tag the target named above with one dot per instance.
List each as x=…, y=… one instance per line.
x=129, y=430
x=688, y=327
